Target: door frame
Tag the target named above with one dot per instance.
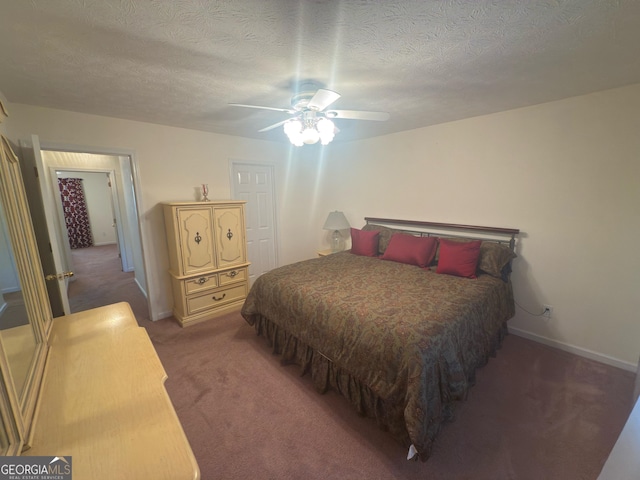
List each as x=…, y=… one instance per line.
x=135, y=180
x=233, y=162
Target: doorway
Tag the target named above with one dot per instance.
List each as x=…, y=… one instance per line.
x=46, y=160
x=88, y=207
x=112, y=207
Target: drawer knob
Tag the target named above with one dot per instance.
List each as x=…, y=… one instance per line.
x=202, y=280
x=233, y=273
x=218, y=299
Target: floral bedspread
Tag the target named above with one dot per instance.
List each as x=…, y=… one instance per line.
x=406, y=337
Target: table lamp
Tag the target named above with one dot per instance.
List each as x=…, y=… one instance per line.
x=336, y=221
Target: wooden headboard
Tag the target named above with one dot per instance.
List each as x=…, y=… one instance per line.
x=427, y=229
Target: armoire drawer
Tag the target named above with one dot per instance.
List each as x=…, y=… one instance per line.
x=201, y=283
x=232, y=276
x=212, y=299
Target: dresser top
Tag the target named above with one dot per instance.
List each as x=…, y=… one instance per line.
x=209, y=202
x=104, y=404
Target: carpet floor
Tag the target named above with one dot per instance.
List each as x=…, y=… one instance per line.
x=534, y=413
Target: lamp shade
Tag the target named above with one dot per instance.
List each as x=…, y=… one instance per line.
x=336, y=221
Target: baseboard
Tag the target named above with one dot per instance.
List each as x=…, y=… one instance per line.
x=583, y=352
x=162, y=315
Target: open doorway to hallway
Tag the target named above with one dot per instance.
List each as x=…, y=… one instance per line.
x=109, y=268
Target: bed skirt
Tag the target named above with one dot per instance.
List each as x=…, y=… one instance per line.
x=325, y=374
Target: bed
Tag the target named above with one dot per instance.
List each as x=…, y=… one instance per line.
x=392, y=329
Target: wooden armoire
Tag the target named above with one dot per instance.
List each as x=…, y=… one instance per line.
x=207, y=257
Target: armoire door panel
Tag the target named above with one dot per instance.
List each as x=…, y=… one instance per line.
x=196, y=238
x=229, y=225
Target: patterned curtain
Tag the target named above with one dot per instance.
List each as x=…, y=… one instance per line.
x=76, y=215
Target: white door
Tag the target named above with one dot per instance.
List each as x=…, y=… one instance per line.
x=60, y=275
x=253, y=183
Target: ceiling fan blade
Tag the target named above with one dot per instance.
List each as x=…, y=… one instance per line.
x=358, y=115
x=322, y=99
x=275, y=125
x=286, y=110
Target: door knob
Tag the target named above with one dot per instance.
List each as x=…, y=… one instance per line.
x=59, y=276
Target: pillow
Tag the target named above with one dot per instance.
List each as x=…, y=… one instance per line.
x=458, y=258
x=494, y=257
x=364, y=242
x=411, y=249
x=384, y=238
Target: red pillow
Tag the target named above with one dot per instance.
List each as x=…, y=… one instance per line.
x=364, y=242
x=411, y=249
x=458, y=258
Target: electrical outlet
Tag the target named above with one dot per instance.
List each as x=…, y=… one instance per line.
x=547, y=310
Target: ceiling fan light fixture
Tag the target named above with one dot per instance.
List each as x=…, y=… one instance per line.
x=293, y=130
x=326, y=129
x=310, y=135
x=310, y=131
x=311, y=122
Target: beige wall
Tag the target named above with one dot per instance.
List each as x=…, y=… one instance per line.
x=171, y=163
x=566, y=173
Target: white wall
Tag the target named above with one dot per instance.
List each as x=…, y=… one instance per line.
x=171, y=164
x=566, y=173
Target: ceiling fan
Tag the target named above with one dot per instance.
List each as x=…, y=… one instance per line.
x=310, y=122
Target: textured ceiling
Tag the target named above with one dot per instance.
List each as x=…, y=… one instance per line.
x=180, y=62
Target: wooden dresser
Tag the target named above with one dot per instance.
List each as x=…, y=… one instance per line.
x=103, y=401
x=207, y=257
